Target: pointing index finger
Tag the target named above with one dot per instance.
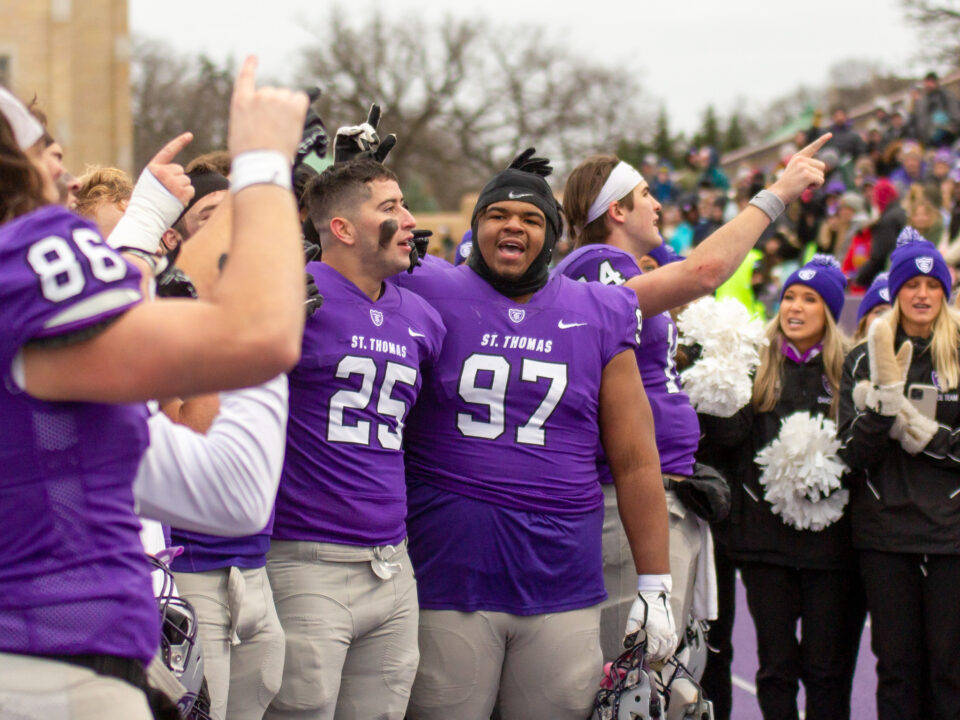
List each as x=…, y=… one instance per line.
x=169, y=151
x=814, y=147
x=245, y=84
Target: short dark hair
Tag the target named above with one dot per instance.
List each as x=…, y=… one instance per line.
x=341, y=188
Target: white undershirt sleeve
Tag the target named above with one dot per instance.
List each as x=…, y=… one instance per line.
x=224, y=482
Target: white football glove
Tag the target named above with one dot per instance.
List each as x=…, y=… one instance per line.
x=651, y=613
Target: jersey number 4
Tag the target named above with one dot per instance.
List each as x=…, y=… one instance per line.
x=493, y=394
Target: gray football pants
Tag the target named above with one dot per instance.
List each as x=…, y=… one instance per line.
x=536, y=666
x=351, y=636
x=240, y=636
x=620, y=574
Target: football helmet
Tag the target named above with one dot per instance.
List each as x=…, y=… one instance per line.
x=626, y=691
x=180, y=646
x=678, y=681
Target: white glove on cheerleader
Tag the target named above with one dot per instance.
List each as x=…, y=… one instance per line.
x=651, y=613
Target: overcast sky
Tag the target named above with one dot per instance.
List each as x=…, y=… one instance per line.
x=686, y=53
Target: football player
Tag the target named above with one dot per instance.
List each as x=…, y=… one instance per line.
x=77, y=610
x=505, y=510
x=342, y=581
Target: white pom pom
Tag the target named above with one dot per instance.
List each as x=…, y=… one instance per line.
x=729, y=337
x=801, y=472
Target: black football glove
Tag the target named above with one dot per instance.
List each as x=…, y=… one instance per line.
x=528, y=163
x=311, y=250
x=314, y=298
x=418, y=247
x=355, y=142
x=314, y=138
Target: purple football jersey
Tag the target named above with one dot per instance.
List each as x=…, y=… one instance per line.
x=74, y=579
x=359, y=373
x=505, y=508
x=674, y=419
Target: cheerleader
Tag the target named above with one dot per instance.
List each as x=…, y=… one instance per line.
x=900, y=423
x=792, y=543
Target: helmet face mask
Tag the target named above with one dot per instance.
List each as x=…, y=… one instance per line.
x=180, y=645
x=631, y=690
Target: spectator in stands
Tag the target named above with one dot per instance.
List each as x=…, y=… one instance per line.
x=846, y=141
x=912, y=168
x=936, y=113
x=884, y=232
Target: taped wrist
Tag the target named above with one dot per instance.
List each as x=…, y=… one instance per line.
x=260, y=167
x=771, y=205
x=151, y=210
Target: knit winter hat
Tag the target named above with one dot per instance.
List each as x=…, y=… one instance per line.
x=877, y=294
x=664, y=254
x=823, y=275
x=915, y=256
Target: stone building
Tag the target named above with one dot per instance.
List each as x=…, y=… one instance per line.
x=74, y=56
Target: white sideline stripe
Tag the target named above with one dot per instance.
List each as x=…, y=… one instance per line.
x=743, y=684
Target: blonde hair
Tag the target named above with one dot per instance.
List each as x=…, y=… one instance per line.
x=943, y=346
x=102, y=184
x=767, y=383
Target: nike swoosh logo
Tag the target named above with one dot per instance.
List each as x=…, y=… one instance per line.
x=414, y=333
x=563, y=326
x=516, y=196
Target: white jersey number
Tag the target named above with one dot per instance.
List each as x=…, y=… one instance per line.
x=493, y=394
x=61, y=275
x=670, y=369
x=387, y=406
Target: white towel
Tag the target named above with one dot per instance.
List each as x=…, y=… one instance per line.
x=705, y=584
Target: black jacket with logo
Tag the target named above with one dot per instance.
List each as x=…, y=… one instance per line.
x=756, y=534
x=901, y=502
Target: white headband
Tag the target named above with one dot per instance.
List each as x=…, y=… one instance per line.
x=623, y=178
x=26, y=129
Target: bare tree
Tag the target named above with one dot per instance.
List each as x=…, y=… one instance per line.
x=940, y=22
x=463, y=96
x=172, y=94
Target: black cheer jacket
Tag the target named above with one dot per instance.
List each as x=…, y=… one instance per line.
x=901, y=502
x=756, y=534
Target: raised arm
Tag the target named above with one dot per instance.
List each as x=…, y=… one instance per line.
x=249, y=328
x=714, y=260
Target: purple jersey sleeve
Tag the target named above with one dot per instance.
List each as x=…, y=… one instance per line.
x=675, y=421
x=60, y=277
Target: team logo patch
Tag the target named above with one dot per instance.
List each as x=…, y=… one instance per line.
x=884, y=294
x=807, y=274
x=924, y=263
x=516, y=314
x=377, y=317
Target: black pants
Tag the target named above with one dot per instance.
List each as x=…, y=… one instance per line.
x=914, y=603
x=716, y=678
x=778, y=597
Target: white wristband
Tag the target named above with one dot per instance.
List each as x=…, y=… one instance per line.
x=151, y=210
x=768, y=202
x=260, y=167
x=654, y=583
